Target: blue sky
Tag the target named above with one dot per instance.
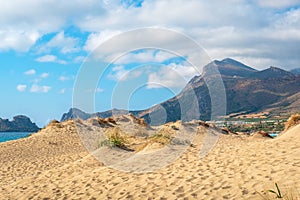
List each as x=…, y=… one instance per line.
x=44, y=44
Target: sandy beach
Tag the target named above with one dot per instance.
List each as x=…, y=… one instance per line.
x=53, y=164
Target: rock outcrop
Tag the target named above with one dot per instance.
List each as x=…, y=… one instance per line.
x=19, y=123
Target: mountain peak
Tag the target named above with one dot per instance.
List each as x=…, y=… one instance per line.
x=273, y=68
x=230, y=67
x=74, y=113
x=230, y=61
x=273, y=72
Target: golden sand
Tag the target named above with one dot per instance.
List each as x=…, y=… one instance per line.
x=53, y=164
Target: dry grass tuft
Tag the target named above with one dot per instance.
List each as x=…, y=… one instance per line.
x=261, y=134
x=290, y=193
x=201, y=123
x=55, y=123
x=161, y=138
x=101, y=121
x=140, y=121
x=292, y=121
x=110, y=120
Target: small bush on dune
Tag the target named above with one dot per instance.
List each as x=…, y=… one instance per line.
x=292, y=121
x=115, y=139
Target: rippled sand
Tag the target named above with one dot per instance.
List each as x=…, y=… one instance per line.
x=53, y=164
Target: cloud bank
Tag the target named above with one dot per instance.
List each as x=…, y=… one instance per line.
x=259, y=32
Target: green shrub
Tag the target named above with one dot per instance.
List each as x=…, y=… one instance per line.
x=114, y=139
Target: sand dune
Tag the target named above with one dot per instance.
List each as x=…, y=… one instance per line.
x=53, y=164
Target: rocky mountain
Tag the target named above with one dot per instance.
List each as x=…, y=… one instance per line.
x=75, y=113
x=230, y=67
x=247, y=90
x=273, y=72
x=19, y=123
x=296, y=71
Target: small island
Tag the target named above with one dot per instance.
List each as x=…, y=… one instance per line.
x=20, y=123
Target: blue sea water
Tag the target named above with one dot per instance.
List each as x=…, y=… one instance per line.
x=7, y=136
x=273, y=135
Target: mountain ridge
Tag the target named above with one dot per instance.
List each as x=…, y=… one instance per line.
x=247, y=90
x=295, y=71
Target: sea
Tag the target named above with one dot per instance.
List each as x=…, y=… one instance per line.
x=7, y=136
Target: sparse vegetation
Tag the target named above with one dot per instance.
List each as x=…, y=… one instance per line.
x=174, y=127
x=115, y=139
x=137, y=141
x=255, y=125
x=161, y=138
x=55, y=123
x=292, y=121
x=277, y=193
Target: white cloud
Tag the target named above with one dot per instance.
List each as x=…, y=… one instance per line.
x=50, y=58
x=21, y=88
x=21, y=27
x=62, y=91
x=145, y=56
x=119, y=73
x=47, y=58
x=239, y=24
x=184, y=15
x=44, y=75
x=95, y=39
x=278, y=3
x=18, y=40
x=79, y=59
x=39, y=89
x=150, y=38
x=171, y=76
x=30, y=72
x=64, y=78
x=99, y=90
x=62, y=43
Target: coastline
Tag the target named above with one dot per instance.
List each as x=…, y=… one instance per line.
x=12, y=135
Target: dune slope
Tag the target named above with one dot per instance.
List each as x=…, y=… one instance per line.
x=53, y=164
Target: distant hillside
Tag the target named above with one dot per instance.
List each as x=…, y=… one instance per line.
x=290, y=104
x=19, y=123
x=273, y=72
x=75, y=113
x=296, y=71
x=247, y=90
